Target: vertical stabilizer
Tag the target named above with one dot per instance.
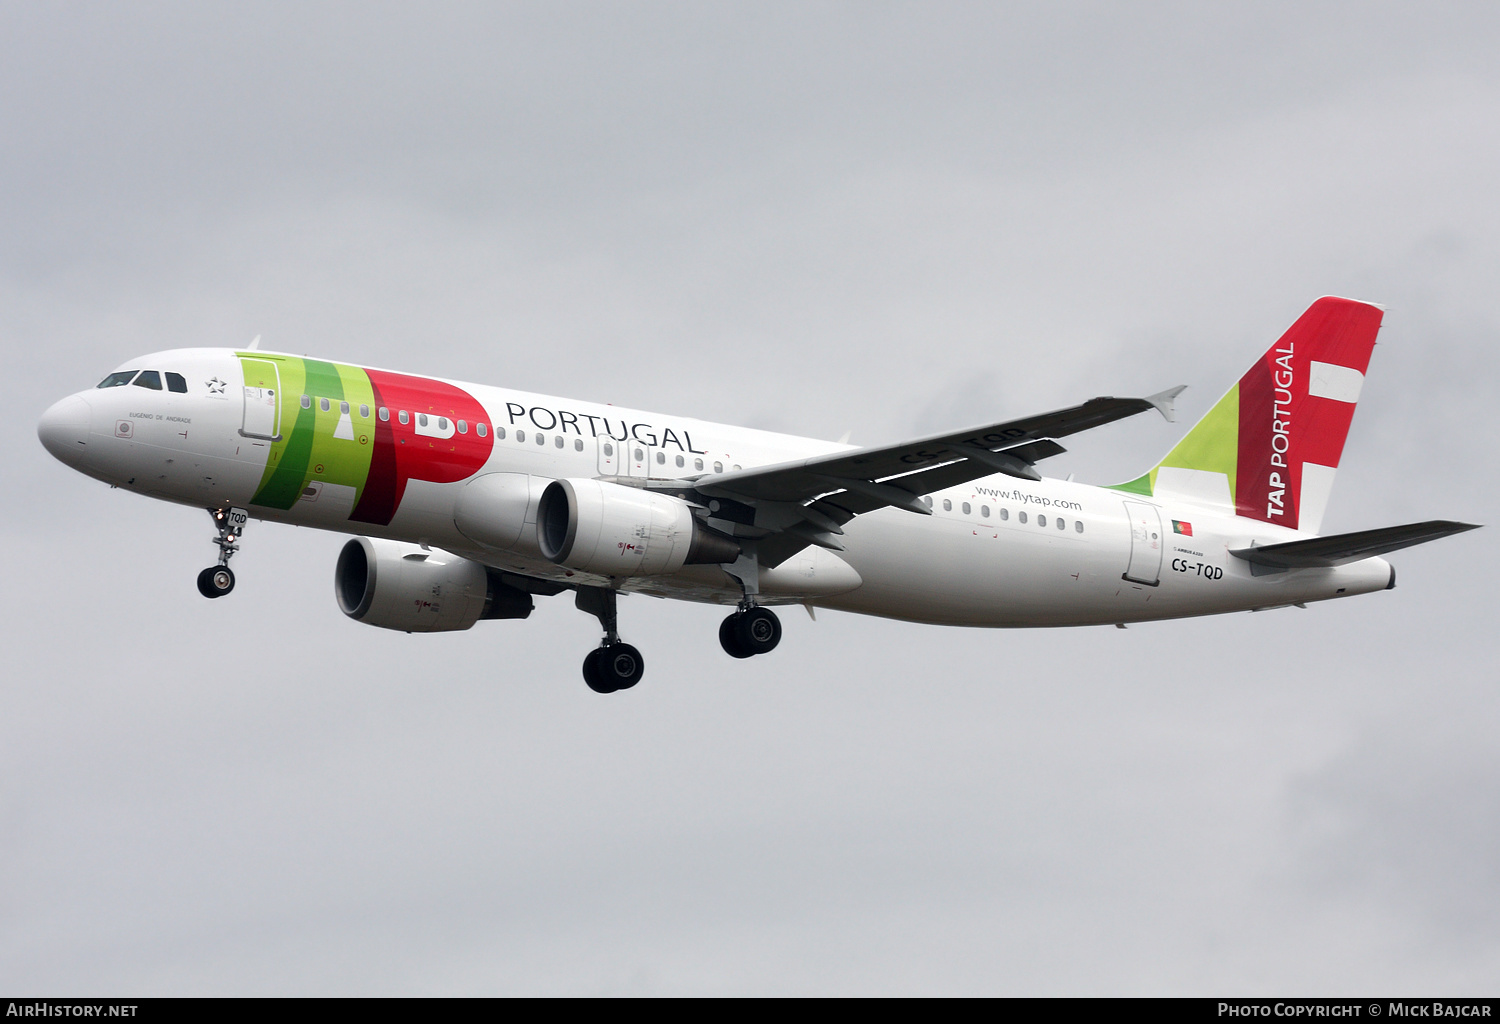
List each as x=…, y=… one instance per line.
x=1268, y=449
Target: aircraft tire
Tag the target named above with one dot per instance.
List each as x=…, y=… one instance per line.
x=729, y=637
x=215, y=581
x=593, y=675
x=758, y=631
x=621, y=666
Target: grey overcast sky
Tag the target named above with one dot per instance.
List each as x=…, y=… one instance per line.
x=881, y=218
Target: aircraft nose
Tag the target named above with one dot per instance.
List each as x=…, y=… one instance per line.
x=64, y=429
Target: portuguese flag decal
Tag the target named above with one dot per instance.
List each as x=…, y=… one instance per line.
x=1186, y=529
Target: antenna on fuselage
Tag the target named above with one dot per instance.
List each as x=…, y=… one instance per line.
x=254, y=344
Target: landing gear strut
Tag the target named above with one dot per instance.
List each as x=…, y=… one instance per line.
x=612, y=665
x=218, y=580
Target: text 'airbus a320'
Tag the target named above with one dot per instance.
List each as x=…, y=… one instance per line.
x=468, y=501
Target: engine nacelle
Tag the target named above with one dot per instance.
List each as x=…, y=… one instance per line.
x=499, y=510
x=604, y=528
x=420, y=590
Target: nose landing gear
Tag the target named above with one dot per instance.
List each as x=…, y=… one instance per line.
x=218, y=580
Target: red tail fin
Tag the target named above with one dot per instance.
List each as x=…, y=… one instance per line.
x=1268, y=449
x=1296, y=404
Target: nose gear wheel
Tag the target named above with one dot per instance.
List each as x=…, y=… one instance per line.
x=215, y=581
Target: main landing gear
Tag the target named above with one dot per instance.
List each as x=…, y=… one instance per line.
x=750, y=631
x=613, y=665
x=218, y=580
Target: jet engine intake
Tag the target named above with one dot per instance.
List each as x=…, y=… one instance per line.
x=420, y=590
x=611, y=530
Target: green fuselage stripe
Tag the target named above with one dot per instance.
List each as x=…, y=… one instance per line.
x=330, y=446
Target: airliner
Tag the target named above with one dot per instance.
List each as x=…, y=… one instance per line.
x=467, y=502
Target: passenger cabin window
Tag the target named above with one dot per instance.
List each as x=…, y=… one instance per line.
x=404, y=417
x=148, y=379
x=307, y=401
x=1041, y=520
x=364, y=412
x=520, y=437
x=927, y=501
x=421, y=419
x=442, y=423
x=947, y=505
x=1078, y=525
x=698, y=465
x=1004, y=514
x=1020, y=517
x=481, y=430
x=558, y=441
x=343, y=408
x=578, y=444
x=1062, y=524
x=681, y=462
x=661, y=458
x=718, y=467
x=117, y=379
x=541, y=438
x=984, y=510
x=385, y=414
x=463, y=426
x=323, y=404
x=176, y=382
x=967, y=510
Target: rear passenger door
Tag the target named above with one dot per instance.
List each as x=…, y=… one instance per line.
x=1145, y=543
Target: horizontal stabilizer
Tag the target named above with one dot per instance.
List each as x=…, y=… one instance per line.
x=1348, y=547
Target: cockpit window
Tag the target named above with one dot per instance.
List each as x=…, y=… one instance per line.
x=148, y=379
x=176, y=382
x=118, y=379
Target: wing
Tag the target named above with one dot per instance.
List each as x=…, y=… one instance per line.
x=793, y=504
x=1342, y=548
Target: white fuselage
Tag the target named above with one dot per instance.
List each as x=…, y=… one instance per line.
x=998, y=551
